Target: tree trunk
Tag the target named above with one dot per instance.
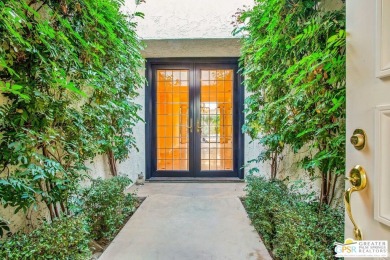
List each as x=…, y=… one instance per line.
x=324, y=189
x=63, y=208
x=112, y=162
x=274, y=165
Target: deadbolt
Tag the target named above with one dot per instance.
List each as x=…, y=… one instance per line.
x=358, y=139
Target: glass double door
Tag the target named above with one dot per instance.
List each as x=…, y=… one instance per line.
x=193, y=115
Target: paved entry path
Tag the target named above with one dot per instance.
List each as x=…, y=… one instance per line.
x=188, y=221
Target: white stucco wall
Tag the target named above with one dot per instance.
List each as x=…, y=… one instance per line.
x=186, y=19
x=135, y=164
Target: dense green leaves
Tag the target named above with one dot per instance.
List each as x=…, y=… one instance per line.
x=97, y=212
x=105, y=205
x=65, y=238
x=294, y=66
x=69, y=71
x=291, y=224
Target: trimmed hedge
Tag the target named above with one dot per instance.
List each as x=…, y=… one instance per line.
x=291, y=227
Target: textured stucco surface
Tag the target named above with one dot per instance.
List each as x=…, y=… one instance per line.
x=173, y=19
x=135, y=164
x=178, y=48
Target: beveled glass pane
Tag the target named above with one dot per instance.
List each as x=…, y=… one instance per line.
x=168, y=165
x=184, y=98
x=183, y=165
x=213, y=75
x=183, y=86
x=229, y=75
x=168, y=75
x=216, y=119
x=213, y=154
x=161, y=75
x=214, y=165
x=176, y=75
x=205, y=165
x=161, y=143
x=228, y=164
x=172, y=120
x=205, y=75
x=184, y=75
x=161, y=164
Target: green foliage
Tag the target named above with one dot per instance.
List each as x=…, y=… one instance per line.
x=292, y=228
x=4, y=228
x=294, y=66
x=97, y=212
x=64, y=238
x=106, y=206
x=69, y=70
x=263, y=202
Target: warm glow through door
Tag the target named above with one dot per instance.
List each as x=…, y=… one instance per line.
x=194, y=121
x=216, y=120
x=172, y=120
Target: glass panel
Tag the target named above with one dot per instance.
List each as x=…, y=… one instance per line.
x=216, y=120
x=172, y=120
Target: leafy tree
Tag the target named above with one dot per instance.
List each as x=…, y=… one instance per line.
x=293, y=59
x=69, y=70
x=318, y=97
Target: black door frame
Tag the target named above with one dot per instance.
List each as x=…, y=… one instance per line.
x=193, y=65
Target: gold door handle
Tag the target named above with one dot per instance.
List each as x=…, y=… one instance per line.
x=358, y=179
x=198, y=127
x=190, y=126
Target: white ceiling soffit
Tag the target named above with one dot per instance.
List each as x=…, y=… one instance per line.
x=191, y=48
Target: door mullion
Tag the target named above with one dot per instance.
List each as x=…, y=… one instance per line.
x=192, y=142
x=197, y=135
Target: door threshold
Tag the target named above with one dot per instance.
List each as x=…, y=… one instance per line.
x=195, y=180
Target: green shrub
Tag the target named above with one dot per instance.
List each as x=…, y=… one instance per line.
x=65, y=238
x=99, y=212
x=106, y=206
x=290, y=227
x=293, y=59
x=263, y=203
x=4, y=228
x=69, y=70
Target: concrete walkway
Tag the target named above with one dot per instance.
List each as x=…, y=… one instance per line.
x=188, y=221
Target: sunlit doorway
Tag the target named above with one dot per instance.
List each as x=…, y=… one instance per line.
x=194, y=121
